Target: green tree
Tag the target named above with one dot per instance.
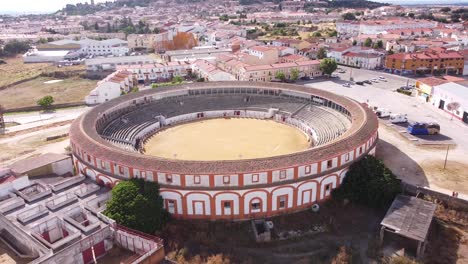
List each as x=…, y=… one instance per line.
x=379, y=44
x=369, y=182
x=333, y=33
x=368, y=42
x=316, y=34
x=390, y=52
x=354, y=42
x=349, y=16
x=321, y=53
x=177, y=79
x=328, y=66
x=96, y=26
x=45, y=102
x=137, y=204
x=280, y=76
x=16, y=47
x=445, y=9
x=294, y=74
x=109, y=28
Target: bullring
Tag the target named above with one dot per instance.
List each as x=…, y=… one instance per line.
x=109, y=141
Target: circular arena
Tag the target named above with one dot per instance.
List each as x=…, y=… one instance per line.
x=226, y=150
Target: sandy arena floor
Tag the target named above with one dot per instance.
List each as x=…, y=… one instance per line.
x=226, y=139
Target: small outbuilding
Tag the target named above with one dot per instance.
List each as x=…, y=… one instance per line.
x=45, y=164
x=409, y=217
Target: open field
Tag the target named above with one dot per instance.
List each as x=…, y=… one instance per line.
x=15, y=70
x=27, y=93
x=227, y=139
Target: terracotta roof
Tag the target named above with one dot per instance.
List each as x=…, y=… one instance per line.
x=83, y=134
x=432, y=81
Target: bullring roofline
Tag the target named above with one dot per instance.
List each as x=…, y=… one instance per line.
x=83, y=133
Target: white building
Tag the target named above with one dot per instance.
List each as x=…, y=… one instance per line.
x=150, y=73
x=447, y=93
x=210, y=72
x=356, y=56
x=111, y=87
x=379, y=26
x=115, y=47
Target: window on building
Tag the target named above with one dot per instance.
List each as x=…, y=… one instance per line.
x=121, y=170
x=227, y=205
x=308, y=169
x=88, y=158
x=327, y=187
x=282, y=175
x=170, y=205
x=255, y=205
x=360, y=151
x=282, y=202
x=347, y=157
x=255, y=178
x=168, y=178
x=226, y=179
x=196, y=179
x=329, y=163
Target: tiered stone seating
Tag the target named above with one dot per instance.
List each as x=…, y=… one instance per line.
x=327, y=123
x=124, y=130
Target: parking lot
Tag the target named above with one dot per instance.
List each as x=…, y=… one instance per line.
x=429, y=159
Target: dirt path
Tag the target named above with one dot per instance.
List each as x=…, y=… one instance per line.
x=422, y=165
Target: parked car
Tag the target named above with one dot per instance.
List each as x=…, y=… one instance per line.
x=367, y=81
x=306, y=78
x=347, y=85
x=360, y=83
x=334, y=75
x=417, y=128
x=406, y=88
x=382, y=112
x=398, y=118
x=341, y=71
x=382, y=79
x=374, y=80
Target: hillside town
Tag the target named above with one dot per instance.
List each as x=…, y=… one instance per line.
x=130, y=71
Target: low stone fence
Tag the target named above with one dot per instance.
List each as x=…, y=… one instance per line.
x=453, y=202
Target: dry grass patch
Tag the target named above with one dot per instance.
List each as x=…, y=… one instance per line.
x=26, y=94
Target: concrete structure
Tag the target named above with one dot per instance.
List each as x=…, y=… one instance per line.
x=62, y=230
x=157, y=72
x=380, y=26
x=447, y=93
x=109, y=65
x=105, y=147
x=210, y=72
x=266, y=73
x=357, y=57
x=110, y=87
x=45, y=164
x=427, y=61
x=194, y=54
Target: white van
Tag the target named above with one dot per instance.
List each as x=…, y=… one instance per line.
x=398, y=118
x=382, y=112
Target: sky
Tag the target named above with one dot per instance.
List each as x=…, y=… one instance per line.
x=49, y=6
x=37, y=6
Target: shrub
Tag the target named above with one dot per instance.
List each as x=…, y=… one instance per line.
x=405, y=92
x=370, y=183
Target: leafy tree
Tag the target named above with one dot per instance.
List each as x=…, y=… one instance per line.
x=349, y=16
x=445, y=9
x=137, y=204
x=333, y=33
x=280, y=76
x=369, y=182
x=16, y=47
x=368, y=42
x=96, y=26
x=46, y=102
x=328, y=66
x=316, y=34
x=390, y=52
x=411, y=15
x=321, y=53
x=294, y=74
x=177, y=79
x=455, y=17
x=224, y=17
x=109, y=28
x=379, y=44
x=354, y=42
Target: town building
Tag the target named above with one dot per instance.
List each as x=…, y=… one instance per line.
x=427, y=61
x=453, y=95
x=268, y=72
x=355, y=28
x=110, y=87
x=357, y=57
x=209, y=72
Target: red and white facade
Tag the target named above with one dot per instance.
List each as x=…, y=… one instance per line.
x=269, y=187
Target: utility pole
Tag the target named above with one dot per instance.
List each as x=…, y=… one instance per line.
x=2, y=120
x=446, y=155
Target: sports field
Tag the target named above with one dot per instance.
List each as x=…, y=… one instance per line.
x=226, y=139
